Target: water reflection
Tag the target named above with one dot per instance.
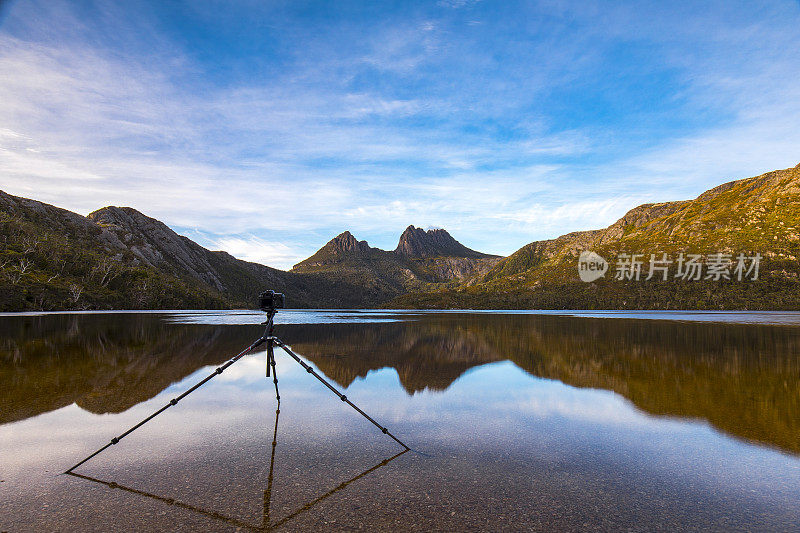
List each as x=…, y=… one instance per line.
x=267, y=522
x=103, y=363
x=525, y=420
x=743, y=379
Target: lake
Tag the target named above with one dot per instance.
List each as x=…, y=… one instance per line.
x=516, y=420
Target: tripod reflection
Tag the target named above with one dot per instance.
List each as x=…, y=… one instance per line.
x=266, y=521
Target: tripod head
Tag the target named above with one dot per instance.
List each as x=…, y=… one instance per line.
x=270, y=301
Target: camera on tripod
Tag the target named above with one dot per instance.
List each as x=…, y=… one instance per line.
x=270, y=301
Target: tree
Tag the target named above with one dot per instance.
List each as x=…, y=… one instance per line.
x=22, y=268
x=75, y=292
x=106, y=271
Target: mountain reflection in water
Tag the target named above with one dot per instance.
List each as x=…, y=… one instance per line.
x=742, y=379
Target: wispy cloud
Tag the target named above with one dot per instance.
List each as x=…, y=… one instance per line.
x=271, y=133
x=257, y=250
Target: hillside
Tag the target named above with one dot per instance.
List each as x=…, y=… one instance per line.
x=118, y=258
x=754, y=215
x=422, y=259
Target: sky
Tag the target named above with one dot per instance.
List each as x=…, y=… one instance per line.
x=266, y=128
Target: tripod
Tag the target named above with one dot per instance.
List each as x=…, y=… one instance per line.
x=270, y=305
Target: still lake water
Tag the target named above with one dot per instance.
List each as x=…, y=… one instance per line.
x=518, y=421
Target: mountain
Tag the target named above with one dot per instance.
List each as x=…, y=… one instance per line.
x=340, y=249
x=422, y=260
x=118, y=258
x=759, y=215
x=376, y=275
x=418, y=243
x=154, y=244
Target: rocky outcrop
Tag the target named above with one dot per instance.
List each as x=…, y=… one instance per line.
x=465, y=269
x=155, y=244
x=346, y=243
x=58, y=220
x=421, y=258
x=416, y=242
x=341, y=248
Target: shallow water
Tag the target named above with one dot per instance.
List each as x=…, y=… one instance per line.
x=518, y=421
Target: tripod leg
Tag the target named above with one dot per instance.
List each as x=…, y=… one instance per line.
x=175, y=401
x=268, y=492
x=337, y=393
x=274, y=375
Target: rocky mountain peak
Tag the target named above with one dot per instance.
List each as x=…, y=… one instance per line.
x=122, y=217
x=343, y=246
x=417, y=242
x=345, y=242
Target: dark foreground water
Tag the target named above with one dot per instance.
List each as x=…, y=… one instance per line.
x=600, y=421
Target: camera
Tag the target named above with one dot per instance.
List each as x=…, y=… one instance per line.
x=270, y=301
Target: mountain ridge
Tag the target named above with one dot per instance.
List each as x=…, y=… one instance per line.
x=118, y=257
x=758, y=214
x=416, y=242
x=336, y=249
x=421, y=260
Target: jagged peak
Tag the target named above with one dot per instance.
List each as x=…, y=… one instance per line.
x=417, y=242
x=340, y=247
x=121, y=216
x=346, y=242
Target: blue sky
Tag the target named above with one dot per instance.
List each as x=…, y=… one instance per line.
x=266, y=128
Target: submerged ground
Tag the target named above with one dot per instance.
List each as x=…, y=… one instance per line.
x=517, y=421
